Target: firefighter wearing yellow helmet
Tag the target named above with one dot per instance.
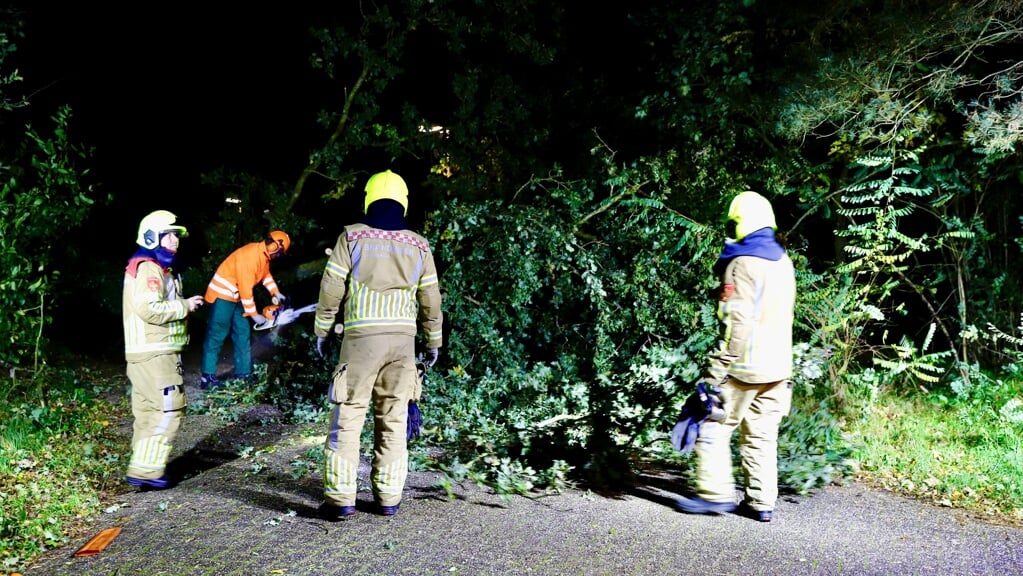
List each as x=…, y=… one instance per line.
x=751, y=367
x=155, y=333
x=231, y=295
x=386, y=185
x=380, y=284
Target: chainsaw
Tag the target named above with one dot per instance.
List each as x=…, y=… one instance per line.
x=280, y=317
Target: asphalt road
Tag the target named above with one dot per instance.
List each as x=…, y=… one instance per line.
x=254, y=515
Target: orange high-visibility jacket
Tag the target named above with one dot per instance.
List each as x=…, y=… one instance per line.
x=239, y=273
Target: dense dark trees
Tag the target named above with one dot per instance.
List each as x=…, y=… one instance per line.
x=571, y=164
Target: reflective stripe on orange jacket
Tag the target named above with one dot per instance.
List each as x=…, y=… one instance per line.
x=239, y=273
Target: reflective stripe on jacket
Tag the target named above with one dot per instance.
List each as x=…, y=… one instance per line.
x=756, y=313
x=153, y=312
x=239, y=273
x=386, y=280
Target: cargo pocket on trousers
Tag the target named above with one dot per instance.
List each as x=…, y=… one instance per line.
x=417, y=384
x=339, y=385
x=174, y=398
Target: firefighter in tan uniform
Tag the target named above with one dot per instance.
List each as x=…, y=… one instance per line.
x=155, y=332
x=751, y=366
x=381, y=279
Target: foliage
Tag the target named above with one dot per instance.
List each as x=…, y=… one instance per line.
x=884, y=72
x=578, y=342
x=465, y=120
x=43, y=197
x=812, y=449
x=294, y=380
x=706, y=104
x=920, y=99
x=46, y=481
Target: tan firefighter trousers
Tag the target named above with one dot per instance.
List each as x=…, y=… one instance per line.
x=757, y=410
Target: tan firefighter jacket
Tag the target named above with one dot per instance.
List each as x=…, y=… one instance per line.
x=756, y=310
x=153, y=311
x=386, y=282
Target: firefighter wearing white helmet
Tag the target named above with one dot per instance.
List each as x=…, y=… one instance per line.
x=156, y=223
x=380, y=283
x=155, y=333
x=751, y=366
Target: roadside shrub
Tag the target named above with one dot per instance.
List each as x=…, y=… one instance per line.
x=46, y=478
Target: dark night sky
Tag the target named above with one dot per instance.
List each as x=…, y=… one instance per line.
x=163, y=96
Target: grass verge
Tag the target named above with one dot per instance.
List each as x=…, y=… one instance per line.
x=60, y=459
x=966, y=456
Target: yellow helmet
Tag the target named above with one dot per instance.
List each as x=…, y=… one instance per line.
x=386, y=184
x=156, y=223
x=750, y=212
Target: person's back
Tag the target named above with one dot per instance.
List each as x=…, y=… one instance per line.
x=749, y=371
x=380, y=274
x=768, y=288
x=382, y=279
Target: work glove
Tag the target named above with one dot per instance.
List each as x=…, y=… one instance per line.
x=259, y=320
x=414, y=424
x=432, y=354
x=321, y=345
x=701, y=406
x=280, y=299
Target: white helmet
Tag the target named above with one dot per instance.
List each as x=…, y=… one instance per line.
x=156, y=223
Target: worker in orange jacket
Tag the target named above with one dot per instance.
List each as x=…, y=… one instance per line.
x=230, y=294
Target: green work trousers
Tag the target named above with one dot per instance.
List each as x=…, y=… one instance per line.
x=158, y=405
x=227, y=318
x=756, y=410
x=377, y=370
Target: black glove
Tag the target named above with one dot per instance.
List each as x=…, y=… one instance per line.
x=321, y=344
x=432, y=354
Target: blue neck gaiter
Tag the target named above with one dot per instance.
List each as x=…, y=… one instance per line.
x=761, y=244
x=385, y=214
x=163, y=256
